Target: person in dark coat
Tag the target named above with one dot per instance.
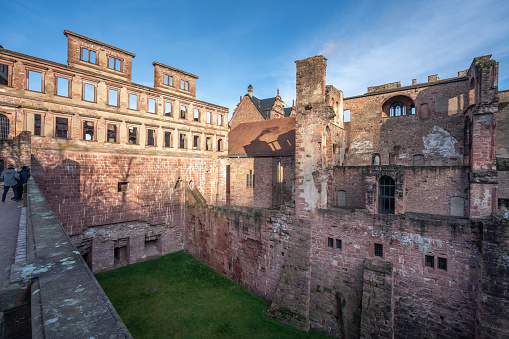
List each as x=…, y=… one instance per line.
x=23, y=179
x=10, y=178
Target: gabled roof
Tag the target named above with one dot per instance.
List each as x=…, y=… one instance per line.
x=274, y=137
x=288, y=111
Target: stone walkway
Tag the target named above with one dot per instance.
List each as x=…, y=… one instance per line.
x=10, y=213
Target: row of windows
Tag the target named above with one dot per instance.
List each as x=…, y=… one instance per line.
x=168, y=80
x=89, y=133
x=378, y=251
x=90, y=56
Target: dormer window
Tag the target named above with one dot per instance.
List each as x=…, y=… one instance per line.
x=114, y=63
x=88, y=56
x=168, y=80
x=184, y=85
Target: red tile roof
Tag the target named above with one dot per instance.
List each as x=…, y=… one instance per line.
x=274, y=137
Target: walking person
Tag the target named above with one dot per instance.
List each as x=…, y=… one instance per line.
x=23, y=179
x=10, y=178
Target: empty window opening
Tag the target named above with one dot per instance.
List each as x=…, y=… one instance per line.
x=346, y=115
x=133, y=101
x=168, y=80
x=4, y=74
x=112, y=97
x=375, y=159
x=133, y=135
x=122, y=186
x=63, y=87
x=196, y=141
x=412, y=109
x=61, y=127
x=114, y=63
x=219, y=145
x=151, y=248
x=341, y=198
x=89, y=92
x=196, y=114
x=112, y=133
x=386, y=191
x=220, y=120
x=338, y=244
x=4, y=127
x=442, y=264
x=184, y=85
x=209, y=117
x=280, y=172
x=167, y=139
x=330, y=242
x=250, y=179
x=430, y=261
x=151, y=105
x=183, y=141
x=183, y=111
x=37, y=124
x=167, y=109
x=208, y=144
x=379, y=250
x=35, y=81
x=121, y=258
x=151, y=137
x=88, y=55
x=88, y=130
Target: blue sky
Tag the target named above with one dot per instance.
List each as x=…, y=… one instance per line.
x=231, y=44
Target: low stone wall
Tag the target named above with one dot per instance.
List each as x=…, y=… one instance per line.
x=53, y=293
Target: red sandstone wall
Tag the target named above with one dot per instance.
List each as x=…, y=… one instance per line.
x=261, y=194
x=246, y=111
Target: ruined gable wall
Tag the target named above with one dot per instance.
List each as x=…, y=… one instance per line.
x=260, y=195
x=246, y=111
x=435, y=131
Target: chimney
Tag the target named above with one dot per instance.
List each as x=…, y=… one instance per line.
x=250, y=91
x=414, y=81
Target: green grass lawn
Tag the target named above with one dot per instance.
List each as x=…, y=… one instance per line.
x=178, y=296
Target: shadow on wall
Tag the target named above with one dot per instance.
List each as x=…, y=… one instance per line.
x=285, y=144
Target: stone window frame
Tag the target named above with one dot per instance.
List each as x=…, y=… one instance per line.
x=82, y=125
x=69, y=85
x=386, y=197
x=211, y=137
x=169, y=78
x=184, y=85
x=172, y=103
x=148, y=104
x=330, y=243
x=10, y=67
x=154, y=130
x=220, y=119
x=185, y=110
x=197, y=119
x=42, y=71
x=26, y=112
x=83, y=47
x=115, y=58
x=172, y=135
x=7, y=124
x=137, y=94
x=209, y=117
x=437, y=255
x=69, y=126
x=198, y=143
x=128, y=126
x=220, y=144
x=250, y=179
x=185, y=134
x=89, y=82
x=112, y=88
x=113, y=123
x=372, y=249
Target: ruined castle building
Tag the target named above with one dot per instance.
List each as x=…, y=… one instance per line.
x=390, y=225
x=113, y=158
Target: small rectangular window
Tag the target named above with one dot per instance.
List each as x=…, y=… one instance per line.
x=133, y=101
x=133, y=135
x=220, y=120
x=88, y=55
x=88, y=92
x=184, y=85
x=196, y=114
x=112, y=133
x=196, y=141
x=208, y=144
x=122, y=186
x=442, y=264
x=413, y=109
x=249, y=179
x=61, y=127
x=379, y=250
x=4, y=74
x=37, y=124
x=62, y=87
x=114, y=63
x=182, y=141
x=88, y=130
x=183, y=111
x=209, y=117
x=167, y=139
x=430, y=261
x=167, y=109
x=346, y=116
x=35, y=81
x=168, y=80
x=338, y=244
x=219, y=145
x=151, y=137
x=112, y=97
x=151, y=105
x=330, y=242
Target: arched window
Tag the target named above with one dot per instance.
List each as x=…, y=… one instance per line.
x=398, y=105
x=397, y=109
x=4, y=127
x=375, y=159
x=386, y=191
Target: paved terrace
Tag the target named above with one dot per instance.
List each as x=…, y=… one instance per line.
x=47, y=289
